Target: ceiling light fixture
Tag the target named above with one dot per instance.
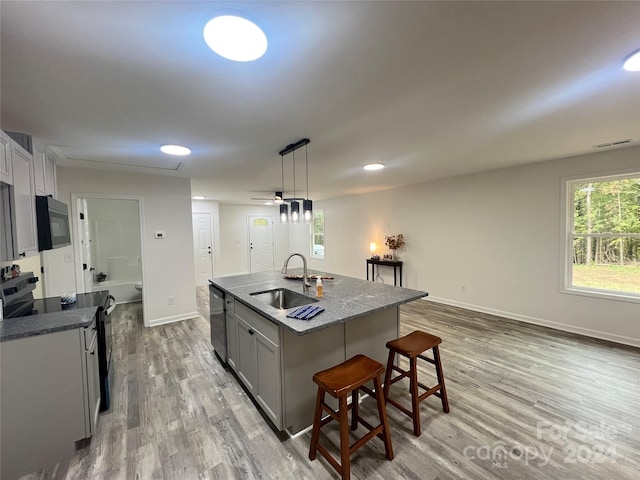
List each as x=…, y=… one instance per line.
x=170, y=149
x=295, y=204
x=632, y=63
x=284, y=208
x=235, y=38
x=197, y=197
x=374, y=166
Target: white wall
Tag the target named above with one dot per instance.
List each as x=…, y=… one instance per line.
x=233, y=254
x=167, y=264
x=497, y=233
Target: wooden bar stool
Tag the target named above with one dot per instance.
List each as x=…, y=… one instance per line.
x=413, y=346
x=339, y=381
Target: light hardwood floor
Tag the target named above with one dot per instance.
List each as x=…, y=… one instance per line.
x=526, y=402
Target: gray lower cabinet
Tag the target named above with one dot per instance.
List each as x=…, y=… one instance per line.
x=232, y=335
x=49, y=395
x=258, y=360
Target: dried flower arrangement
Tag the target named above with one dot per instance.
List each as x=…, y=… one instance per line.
x=394, y=242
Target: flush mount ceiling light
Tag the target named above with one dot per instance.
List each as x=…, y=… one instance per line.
x=235, y=38
x=632, y=63
x=175, y=149
x=197, y=197
x=374, y=166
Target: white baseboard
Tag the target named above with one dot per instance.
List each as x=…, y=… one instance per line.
x=634, y=342
x=175, y=318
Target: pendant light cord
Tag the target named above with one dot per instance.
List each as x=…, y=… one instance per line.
x=294, y=175
x=282, y=170
x=307, y=169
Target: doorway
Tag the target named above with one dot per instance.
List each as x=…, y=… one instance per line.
x=108, y=246
x=260, y=243
x=202, y=247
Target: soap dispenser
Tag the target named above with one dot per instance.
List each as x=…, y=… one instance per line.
x=319, y=287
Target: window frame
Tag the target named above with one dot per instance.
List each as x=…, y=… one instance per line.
x=312, y=236
x=567, y=236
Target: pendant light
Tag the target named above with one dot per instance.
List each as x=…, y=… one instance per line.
x=295, y=205
x=307, y=205
x=284, y=208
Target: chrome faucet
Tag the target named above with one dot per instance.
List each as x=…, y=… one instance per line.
x=305, y=277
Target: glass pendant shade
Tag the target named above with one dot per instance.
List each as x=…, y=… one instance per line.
x=307, y=210
x=295, y=212
x=284, y=213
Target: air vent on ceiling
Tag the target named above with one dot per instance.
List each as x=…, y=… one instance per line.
x=612, y=144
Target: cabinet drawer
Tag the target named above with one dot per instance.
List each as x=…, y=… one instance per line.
x=267, y=328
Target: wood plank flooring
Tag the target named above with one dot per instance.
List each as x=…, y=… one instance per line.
x=526, y=403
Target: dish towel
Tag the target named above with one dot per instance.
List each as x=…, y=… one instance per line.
x=306, y=312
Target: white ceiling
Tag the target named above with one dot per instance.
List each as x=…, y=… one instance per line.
x=430, y=89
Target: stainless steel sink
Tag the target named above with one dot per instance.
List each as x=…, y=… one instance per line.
x=283, y=298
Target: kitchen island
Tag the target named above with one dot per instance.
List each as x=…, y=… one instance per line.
x=275, y=356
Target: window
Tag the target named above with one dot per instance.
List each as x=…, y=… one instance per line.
x=603, y=236
x=317, y=235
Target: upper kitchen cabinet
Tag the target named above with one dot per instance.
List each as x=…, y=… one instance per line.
x=6, y=171
x=24, y=191
x=45, y=171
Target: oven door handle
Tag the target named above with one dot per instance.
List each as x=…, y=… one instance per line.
x=112, y=305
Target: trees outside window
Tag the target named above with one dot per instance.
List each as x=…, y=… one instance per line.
x=317, y=235
x=603, y=236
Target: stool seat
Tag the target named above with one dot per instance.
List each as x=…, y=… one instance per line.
x=348, y=376
x=339, y=381
x=412, y=346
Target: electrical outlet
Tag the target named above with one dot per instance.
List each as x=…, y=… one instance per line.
x=172, y=300
x=463, y=288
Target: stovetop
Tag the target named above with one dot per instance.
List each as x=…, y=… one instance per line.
x=54, y=304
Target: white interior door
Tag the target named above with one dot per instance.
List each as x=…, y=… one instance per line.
x=85, y=238
x=202, y=247
x=260, y=243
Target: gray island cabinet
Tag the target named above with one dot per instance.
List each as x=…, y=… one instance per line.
x=275, y=357
x=49, y=389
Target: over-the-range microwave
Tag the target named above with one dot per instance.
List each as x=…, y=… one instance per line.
x=53, y=223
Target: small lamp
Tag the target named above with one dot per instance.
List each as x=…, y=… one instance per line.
x=372, y=247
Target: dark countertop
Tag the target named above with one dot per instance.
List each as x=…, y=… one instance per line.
x=58, y=318
x=344, y=298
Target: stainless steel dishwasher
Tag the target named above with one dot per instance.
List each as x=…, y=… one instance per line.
x=218, y=322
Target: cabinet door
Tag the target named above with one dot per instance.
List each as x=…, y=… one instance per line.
x=6, y=172
x=247, y=357
x=50, y=180
x=269, y=388
x=25, y=201
x=39, y=170
x=232, y=335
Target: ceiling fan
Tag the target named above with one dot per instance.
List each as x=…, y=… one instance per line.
x=277, y=198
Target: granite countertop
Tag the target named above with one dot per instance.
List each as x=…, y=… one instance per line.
x=344, y=298
x=23, y=327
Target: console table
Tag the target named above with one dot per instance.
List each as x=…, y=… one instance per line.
x=397, y=265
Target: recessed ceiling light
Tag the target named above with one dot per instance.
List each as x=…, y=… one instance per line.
x=175, y=149
x=235, y=38
x=632, y=63
x=198, y=197
x=374, y=166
